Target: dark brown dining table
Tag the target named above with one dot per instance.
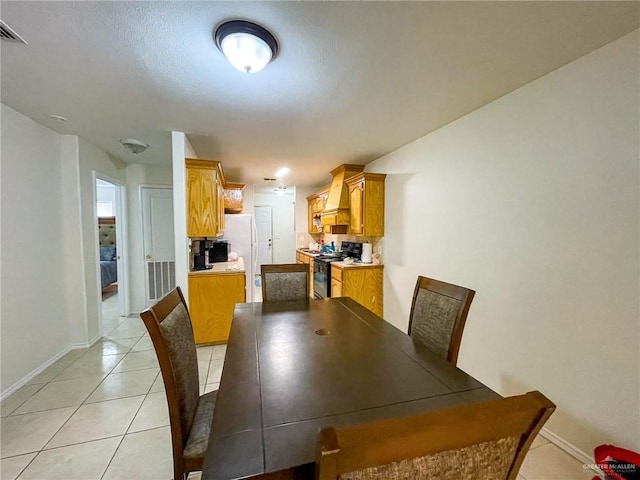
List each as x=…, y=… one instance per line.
x=294, y=367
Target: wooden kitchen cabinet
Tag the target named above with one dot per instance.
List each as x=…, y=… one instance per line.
x=205, y=198
x=363, y=283
x=315, y=205
x=336, y=288
x=233, y=197
x=366, y=204
x=302, y=257
x=212, y=300
x=220, y=201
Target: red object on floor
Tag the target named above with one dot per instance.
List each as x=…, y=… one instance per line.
x=617, y=463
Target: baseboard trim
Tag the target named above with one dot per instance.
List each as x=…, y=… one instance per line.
x=89, y=344
x=27, y=378
x=572, y=450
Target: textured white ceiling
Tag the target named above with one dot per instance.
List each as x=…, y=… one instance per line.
x=352, y=81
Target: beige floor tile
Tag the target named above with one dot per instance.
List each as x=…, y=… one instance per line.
x=71, y=356
x=66, y=393
x=84, y=461
x=219, y=351
x=94, y=421
x=30, y=432
x=137, y=361
x=195, y=476
x=90, y=365
x=132, y=327
x=143, y=344
x=17, y=398
x=127, y=384
x=107, y=346
x=143, y=455
x=215, y=371
x=204, y=353
x=548, y=462
x=203, y=372
x=49, y=373
x=209, y=387
x=153, y=413
x=158, y=385
x=10, y=468
x=539, y=441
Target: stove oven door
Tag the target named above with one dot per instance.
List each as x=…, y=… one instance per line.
x=321, y=279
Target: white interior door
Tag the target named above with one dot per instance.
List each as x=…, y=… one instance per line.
x=265, y=236
x=158, y=238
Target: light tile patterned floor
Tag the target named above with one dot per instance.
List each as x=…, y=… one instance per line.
x=101, y=413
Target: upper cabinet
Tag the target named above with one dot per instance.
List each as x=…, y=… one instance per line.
x=316, y=204
x=205, y=198
x=366, y=204
x=233, y=197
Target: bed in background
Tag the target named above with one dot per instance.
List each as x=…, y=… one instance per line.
x=107, y=238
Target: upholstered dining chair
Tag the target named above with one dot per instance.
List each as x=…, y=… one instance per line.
x=476, y=441
x=438, y=314
x=285, y=282
x=190, y=414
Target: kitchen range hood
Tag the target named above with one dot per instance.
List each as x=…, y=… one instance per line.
x=336, y=210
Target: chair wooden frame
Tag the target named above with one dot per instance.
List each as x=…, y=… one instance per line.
x=354, y=448
x=283, y=268
x=463, y=294
x=152, y=318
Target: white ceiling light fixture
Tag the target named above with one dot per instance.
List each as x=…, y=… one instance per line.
x=248, y=46
x=134, y=146
x=282, y=172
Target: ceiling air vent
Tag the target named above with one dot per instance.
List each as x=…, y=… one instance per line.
x=7, y=33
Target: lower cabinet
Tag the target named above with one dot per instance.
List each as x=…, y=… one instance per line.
x=361, y=283
x=212, y=300
x=308, y=259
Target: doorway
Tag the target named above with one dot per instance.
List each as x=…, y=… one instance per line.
x=264, y=225
x=158, y=242
x=111, y=226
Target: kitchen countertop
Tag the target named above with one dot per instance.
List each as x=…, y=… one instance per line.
x=355, y=265
x=341, y=264
x=307, y=252
x=221, y=268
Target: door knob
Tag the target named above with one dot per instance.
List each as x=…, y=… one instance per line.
x=148, y=257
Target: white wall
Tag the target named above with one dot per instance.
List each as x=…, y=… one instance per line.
x=181, y=148
x=50, y=296
x=91, y=159
x=106, y=192
x=138, y=175
x=284, y=237
x=533, y=201
x=33, y=317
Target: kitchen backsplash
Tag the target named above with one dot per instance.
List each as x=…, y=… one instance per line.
x=304, y=238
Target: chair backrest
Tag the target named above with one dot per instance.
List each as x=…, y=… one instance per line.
x=171, y=332
x=474, y=441
x=438, y=314
x=285, y=282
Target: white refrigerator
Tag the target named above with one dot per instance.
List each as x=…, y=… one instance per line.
x=240, y=231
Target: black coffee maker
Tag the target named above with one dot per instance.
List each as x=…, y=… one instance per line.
x=219, y=251
x=199, y=254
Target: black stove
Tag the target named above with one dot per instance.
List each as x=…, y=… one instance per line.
x=322, y=267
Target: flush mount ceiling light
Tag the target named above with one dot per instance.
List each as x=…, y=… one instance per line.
x=282, y=172
x=247, y=46
x=133, y=145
